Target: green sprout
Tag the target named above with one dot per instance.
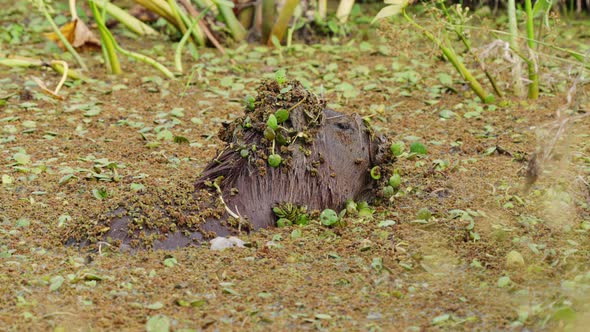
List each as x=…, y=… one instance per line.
x=418, y=148
x=282, y=115
x=249, y=100
x=329, y=217
x=274, y=160
x=272, y=122
x=284, y=222
x=397, y=148
x=281, y=76
x=364, y=209
x=376, y=173
x=395, y=180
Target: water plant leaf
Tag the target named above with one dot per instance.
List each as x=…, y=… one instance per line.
x=272, y=122
x=55, y=283
x=274, y=160
x=281, y=76
x=22, y=158
x=329, y=217
x=281, y=115
x=170, y=262
x=418, y=148
x=158, y=323
x=397, y=148
x=395, y=180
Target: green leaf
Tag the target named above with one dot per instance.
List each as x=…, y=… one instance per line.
x=445, y=79
x=543, y=7
x=424, y=214
x=284, y=222
x=328, y=217
x=55, y=283
x=249, y=100
x=92, y=112
x=447, y=114
x=155, y=306
x=395, y=180
x=418, y=148
x=272, y=122
x=323, y=316
x=395, y=8
x=274, y=160
x=275, y=42
x=386, y=223
x=296, y=233
x=281, y=76
x=440, y=319
x=7, y=179
x=64, y=179
x=397, y=148
x=100, y=193
x=22, y=158
x=23, y=222
x=376, y=173
x=158, y=323
x=504, y=281
x=564, y=314
x=170, y=262
x=137, y=187
x=282, y=115
x=165, y=135
x=177, y=112
x=180, y=139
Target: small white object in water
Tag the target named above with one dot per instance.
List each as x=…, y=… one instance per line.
x=220, y=243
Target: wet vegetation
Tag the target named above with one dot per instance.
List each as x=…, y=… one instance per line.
x=470, y=212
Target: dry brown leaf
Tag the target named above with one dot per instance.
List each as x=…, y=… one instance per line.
x=77, y=33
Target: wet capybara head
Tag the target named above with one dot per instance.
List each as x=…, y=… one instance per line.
x=324, y=158
x=323, y=174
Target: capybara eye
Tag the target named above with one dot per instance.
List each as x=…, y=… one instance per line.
x=343, y=125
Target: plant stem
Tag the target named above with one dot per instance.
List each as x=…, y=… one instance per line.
x=197, y=33
x=280, y=27
x=180, y=24
x=322, y=9
x=237, y=30
x=132, y=23
x=467, y=45
x=450, y=54
x=576, y=55
x=194, y=13
x=533, y=75
x=246, y=16
x=108, y=43
x=159, y=7
x=137, y=56
x=178, y=53
x=268, y=17
x=344, y=9
x=513, y=28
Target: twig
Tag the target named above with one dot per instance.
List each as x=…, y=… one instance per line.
x=100, y=243
x=55, y=92
x=229, y=211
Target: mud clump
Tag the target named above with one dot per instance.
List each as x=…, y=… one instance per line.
x=287, y=150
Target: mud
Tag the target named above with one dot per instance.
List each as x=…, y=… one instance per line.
x=326, y=158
